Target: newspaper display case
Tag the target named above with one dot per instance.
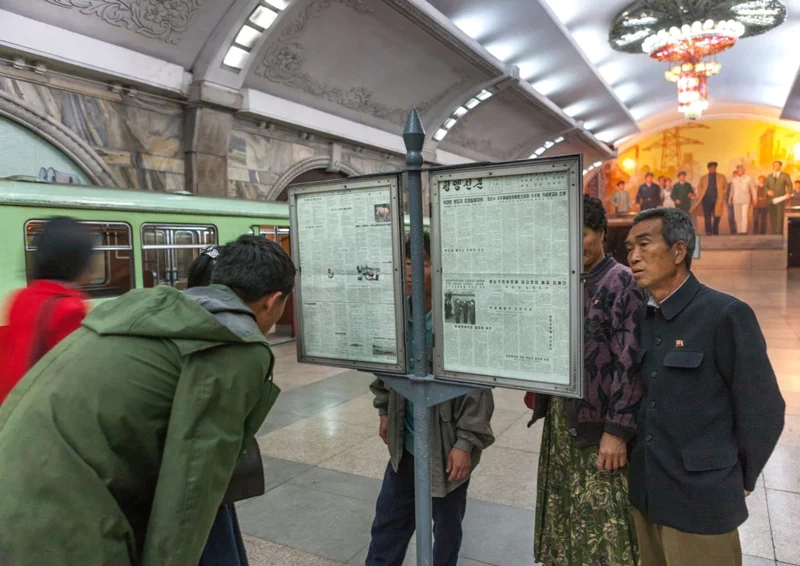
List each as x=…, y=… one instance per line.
x=507, y=261
x=348, y=246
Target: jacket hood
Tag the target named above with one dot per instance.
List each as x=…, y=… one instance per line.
x=207, y=316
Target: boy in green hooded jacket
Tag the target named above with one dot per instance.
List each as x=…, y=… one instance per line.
x=118, y=446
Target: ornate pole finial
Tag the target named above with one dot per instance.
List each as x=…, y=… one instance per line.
x=414, y=138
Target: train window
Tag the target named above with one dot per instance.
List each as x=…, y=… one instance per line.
x=278, y=234
x=168, y=251
x=112, y=261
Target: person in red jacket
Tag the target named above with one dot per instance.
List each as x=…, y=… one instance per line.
x=52, y=306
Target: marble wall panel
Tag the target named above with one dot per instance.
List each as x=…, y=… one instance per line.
x=259, y=157
x=145, y=180
x=256, y=161
x=140, y=138
x=366, y=164
x=247, y=191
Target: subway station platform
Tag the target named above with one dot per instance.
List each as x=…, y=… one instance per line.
x=324, y=461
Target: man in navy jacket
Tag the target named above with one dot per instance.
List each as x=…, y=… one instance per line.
x=711, y=412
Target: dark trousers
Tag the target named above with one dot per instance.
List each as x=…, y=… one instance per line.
x=712, y=222
x=732, y=220
x=759, y=220
x=395, y=521
x=225, y=546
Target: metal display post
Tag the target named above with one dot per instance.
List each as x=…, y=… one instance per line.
x=421, y=388
x=414, y=138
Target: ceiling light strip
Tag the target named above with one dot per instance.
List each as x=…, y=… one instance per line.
x=545, y=146
x=256, y=24
x=460, y=112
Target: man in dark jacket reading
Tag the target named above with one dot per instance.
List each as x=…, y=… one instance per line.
x=711, y=412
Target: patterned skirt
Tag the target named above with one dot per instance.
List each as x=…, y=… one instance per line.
x=583, y=517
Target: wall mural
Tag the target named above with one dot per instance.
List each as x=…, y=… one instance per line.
x=690, y=146
x=156, y=19
x=25, y=153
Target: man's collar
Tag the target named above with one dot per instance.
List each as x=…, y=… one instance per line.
x=679, y=299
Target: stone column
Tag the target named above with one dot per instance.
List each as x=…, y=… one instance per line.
x=206, y=140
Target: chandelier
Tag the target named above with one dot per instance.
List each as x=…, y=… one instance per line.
x=690, y=46
x=688, y=35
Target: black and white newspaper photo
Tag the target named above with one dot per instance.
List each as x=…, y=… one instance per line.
x=345, y=251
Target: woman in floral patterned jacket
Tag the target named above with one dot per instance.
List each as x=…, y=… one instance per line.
x=583, y=517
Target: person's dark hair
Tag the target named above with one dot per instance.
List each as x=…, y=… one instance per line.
x=676, y=227
x=63, y=250
x=681, y=173
x=254, y=267
x=662, y=178
x=778, y=161
x=712, y=164
x=426, y=243
x=620, y=183
x=202, y=268
x=648, y=174
x=594, y=214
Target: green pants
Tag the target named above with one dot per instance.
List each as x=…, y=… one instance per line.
x=665, y=546
x=776, y=217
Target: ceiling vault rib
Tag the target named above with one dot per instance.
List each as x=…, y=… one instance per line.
x=563, y=29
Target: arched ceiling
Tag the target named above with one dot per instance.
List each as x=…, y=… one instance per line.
x=548, y=81
x=759, y=71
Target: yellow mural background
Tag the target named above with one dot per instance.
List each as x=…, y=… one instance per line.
x=690, y=146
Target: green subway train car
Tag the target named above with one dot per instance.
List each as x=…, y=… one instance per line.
x=141, y=239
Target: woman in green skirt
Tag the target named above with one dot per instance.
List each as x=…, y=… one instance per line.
x=583, y=517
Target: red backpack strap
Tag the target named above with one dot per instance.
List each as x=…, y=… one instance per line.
x=39, y=347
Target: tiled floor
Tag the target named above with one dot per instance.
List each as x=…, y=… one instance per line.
x=324, y=461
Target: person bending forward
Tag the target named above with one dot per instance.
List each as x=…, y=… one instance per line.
x=117, y=447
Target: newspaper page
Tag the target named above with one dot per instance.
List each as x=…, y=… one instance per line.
x=505, y=276
x=346, y=266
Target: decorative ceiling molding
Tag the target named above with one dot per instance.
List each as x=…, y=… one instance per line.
x=285, y=59
x=162, y=20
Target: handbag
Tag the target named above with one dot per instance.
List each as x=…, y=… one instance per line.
x=247, y=480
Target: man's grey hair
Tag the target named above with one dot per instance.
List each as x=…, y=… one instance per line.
x=677, y=227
